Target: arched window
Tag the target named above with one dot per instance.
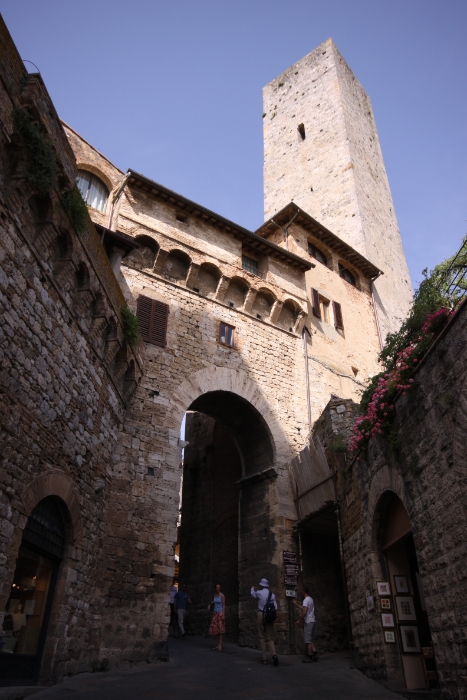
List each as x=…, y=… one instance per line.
x=93, y=190
x=347, y=275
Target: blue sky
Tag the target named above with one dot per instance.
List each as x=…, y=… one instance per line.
x=173, y=90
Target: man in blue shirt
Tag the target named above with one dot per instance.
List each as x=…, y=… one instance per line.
x=181, y=601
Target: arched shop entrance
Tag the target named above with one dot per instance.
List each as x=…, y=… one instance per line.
x=225, y=534
x=410, y=630
x=28, y=607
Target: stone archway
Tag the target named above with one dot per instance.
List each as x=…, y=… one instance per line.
x=227, y=530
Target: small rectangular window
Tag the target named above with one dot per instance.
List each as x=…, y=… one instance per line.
x=226, y=334
x=324, y=307
x=249, y=264
x=153, y=316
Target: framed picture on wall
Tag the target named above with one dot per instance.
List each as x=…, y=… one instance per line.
x=387, y=619
x=401, y=584
x=386, y=604
x=383, y=588
x=389, y=636
x=405, y=608
x=409, y=639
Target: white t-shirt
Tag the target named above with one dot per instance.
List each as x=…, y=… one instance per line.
x=310, y=610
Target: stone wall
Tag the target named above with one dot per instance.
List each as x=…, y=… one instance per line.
x=427, y=471
x=336, y=173
x=63, y=366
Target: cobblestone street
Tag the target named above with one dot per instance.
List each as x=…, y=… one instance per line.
x=195, y=671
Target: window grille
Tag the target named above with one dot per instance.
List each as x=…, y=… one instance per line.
x=249, y=265
x=152, y=316
x=226, y=334
x=93, y=190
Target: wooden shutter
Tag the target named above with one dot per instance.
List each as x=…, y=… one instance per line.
x=316, y=307
x=153, y=317
x=338, y=320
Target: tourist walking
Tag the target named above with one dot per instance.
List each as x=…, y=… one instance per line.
x=266, y=605
x=181, y=600
x=308, y=619
x=173, y=616
x=217, y=626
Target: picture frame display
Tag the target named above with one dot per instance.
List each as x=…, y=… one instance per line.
x=410, y=641
x=389, y=636
x=383, y=588
x=405, y=608
x=401, y=585
x=386, y=604
x=387, y=619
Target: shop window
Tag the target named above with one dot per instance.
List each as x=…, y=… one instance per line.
x=347, y=275
x=93, y=190
x=226, y=334
x=29, y=603
x=250, y=265
x=153, y=316
x=317, y=254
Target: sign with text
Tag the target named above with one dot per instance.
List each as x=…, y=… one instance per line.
x=291, y=568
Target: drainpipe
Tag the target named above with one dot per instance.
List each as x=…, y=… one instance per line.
x=285, y=230
x=307, y=375
x=375, y=310
x=115, y=199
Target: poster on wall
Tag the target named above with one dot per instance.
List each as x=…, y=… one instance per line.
x=409, y=639
x=405, y=608
x=383, y=588
x=401, y=584
x=387, y=620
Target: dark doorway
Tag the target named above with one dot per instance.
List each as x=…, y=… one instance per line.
x=28, y=607
x=209, y=521
x=413, y=634
x=224, y=507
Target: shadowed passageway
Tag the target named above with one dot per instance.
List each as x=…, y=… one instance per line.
x=195, y=671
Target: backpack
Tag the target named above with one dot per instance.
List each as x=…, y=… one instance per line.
x=269, y=611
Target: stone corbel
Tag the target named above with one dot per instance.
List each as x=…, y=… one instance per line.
x=249, y=300
x=275, y=311
x=222, y=288
x=161, y=259
x=192, y=276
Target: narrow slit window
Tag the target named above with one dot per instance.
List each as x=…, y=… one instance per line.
x=226, y=335
x=301, y=131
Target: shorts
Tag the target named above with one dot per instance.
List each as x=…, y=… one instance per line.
x=308, y=632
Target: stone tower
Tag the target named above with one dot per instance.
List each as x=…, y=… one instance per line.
x=321, y=151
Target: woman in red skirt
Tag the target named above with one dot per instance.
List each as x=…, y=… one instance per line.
x=217, y=626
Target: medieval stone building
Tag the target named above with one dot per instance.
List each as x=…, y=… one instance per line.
x=244, y=335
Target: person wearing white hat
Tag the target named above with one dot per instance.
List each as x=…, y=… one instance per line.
x=265, y=629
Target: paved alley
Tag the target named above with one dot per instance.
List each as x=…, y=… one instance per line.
x=196, y=671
